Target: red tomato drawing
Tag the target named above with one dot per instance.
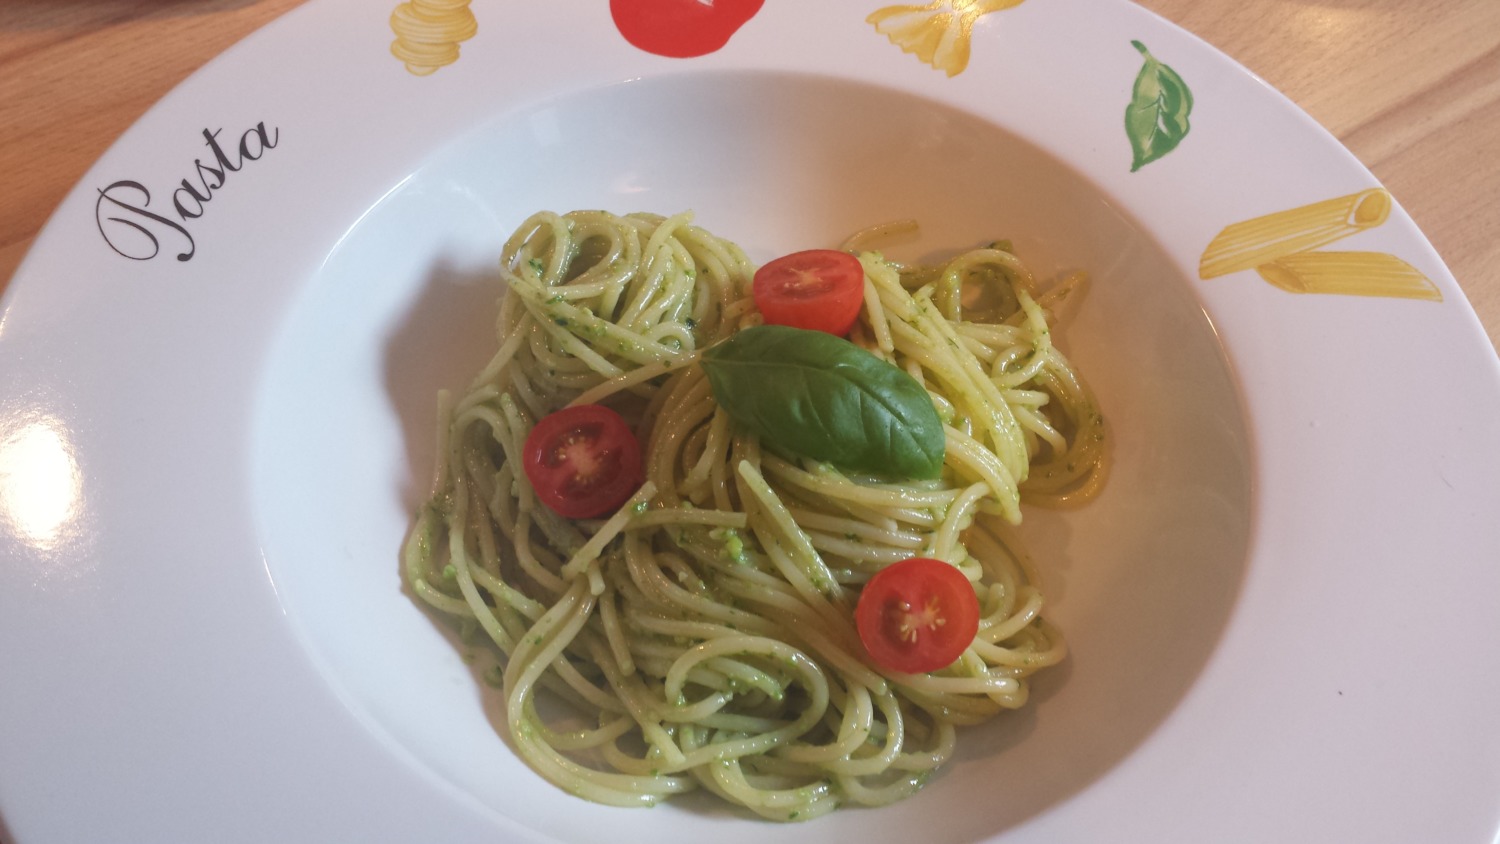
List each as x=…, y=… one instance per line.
x=681, y=29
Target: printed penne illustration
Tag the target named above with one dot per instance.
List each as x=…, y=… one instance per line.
x=1249, y=244
x=428, y=33
x=937, y=33
x=1349, y=273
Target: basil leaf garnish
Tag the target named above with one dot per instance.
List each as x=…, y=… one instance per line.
x=1157, y=118
x=822, y=397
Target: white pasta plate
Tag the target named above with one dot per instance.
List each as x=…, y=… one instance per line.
x=217, y=415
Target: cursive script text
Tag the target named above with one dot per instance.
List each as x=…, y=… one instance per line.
x=132, y=229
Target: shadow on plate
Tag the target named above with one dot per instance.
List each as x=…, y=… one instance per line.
x=449, y=330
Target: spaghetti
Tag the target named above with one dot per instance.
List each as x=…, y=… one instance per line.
x=701, y=637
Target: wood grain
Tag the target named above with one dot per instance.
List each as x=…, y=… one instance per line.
x=1412, y=88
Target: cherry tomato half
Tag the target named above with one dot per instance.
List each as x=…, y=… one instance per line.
x=583, y=461
x=819, y=289
x=917, y=615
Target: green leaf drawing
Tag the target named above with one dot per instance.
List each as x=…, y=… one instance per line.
x=1157, y=118
x=823, y=397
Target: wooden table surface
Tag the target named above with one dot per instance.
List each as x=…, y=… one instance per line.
x=1411, y=86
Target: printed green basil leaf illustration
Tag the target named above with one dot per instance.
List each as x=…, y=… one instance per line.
x=822, y=397
x=1157, y=118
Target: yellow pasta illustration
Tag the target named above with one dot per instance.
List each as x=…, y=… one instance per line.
x=1281, y=248
x=428, y=33
x=938, y=32
x=1246, y=245
x=1349, y=273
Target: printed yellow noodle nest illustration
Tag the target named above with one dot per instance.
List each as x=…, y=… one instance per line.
x=1280, y=248
x=937, y=33
x=428, y=33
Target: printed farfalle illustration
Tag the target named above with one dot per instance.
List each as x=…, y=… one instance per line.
x=1280, y=247
x=428, y=33
x=937, y=33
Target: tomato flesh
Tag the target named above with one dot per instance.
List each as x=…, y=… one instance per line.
x=583, y=461
x=916, y=616
x=817, y=289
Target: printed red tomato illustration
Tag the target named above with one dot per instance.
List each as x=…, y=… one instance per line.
x=681, y=29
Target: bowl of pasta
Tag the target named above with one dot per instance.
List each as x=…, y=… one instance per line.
x=766, y=417
x=747, y=554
